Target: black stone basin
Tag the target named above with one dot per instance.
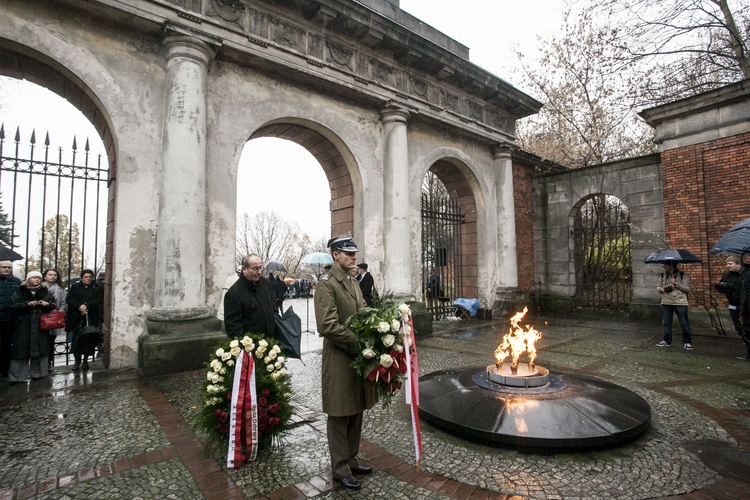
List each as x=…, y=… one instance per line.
x=570, y=413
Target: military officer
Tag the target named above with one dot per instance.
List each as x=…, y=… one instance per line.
x=338, y=296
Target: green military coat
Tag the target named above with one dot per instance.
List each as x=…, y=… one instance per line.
x=337, y=296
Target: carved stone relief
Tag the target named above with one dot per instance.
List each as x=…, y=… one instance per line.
x=228, y=10
x=448, y=100
x=286, y=34
x=418, y=86
x=477, y=111
x=339, y=54
x=381, y=72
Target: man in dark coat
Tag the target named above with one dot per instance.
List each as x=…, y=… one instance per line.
x=731, y=285
x=337, y=297
x=366, y=283
x=8, y=285
x=249, y=303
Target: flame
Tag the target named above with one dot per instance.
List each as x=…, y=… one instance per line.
x=517, y=341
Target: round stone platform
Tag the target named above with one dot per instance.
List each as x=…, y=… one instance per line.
x=570, y=413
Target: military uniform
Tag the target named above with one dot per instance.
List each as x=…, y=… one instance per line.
x=337, y=296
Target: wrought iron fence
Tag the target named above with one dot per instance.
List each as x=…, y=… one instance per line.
x=602, y=254
x=53, y=209
x=441, y=251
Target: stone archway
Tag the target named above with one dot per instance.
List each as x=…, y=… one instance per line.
x=334, y=166
x=460, y=191
x=27, y=64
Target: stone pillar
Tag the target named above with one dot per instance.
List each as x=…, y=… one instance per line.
x=180, y=248
x=507, y=293
x=397, y=240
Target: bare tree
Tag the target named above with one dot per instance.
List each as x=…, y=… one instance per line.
x=589, y=113
x=686, y=46
x=266, y=234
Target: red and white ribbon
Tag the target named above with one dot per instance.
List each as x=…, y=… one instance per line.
x=243, y=413
x=412, y=386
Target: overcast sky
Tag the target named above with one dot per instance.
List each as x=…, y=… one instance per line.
x=293, y=184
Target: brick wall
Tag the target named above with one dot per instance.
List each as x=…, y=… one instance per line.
x=524, y=207
x=706, y=191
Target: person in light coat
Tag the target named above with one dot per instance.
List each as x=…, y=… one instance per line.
x=337, y=297
x=674, y=286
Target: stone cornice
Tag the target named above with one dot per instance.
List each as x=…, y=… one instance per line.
x=347, y=43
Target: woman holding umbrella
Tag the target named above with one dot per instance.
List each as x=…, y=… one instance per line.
x=674, y=287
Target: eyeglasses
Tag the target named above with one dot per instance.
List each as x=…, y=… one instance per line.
x=257, y=269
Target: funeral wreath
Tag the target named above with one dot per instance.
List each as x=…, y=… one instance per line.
x=272, y=390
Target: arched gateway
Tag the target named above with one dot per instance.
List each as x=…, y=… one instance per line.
x=177, y=87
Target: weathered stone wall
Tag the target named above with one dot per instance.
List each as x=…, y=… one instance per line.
x=637, y=183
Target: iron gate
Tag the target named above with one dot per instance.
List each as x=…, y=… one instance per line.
x=441, y=247
x=53, y=208
x=602, y=254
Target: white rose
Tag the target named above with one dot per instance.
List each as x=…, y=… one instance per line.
x=235, y=351
x=272, y=354
x=209, y=375
x=223, y=371
x=276, y=349
x=388, y=340
x=219, y=352
x=282, y=372
x=230, y=362
x=368, y=353
x=383, y=327
x=263, y=343
x=395, y=325
x=248, y=343
x=270, y=368
x=215, y=365
x=386, y=360
x=260, y=351
x=214, y=378
x=234, y=343
x=281, y=359
x=404, y=310
x=267, y=359
x=398, y=347
x=276, y=375
x=278, y=365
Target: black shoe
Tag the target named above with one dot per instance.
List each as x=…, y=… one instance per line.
x=85, y=365
x=76, y=367
x=362, y=469
x=349, y=482
x=744, y=358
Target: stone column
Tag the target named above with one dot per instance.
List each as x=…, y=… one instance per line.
x=397, y=241
x=507, y=263
x=180, y=247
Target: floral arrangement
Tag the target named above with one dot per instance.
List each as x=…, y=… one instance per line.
x=382, y=358
x=272, y=385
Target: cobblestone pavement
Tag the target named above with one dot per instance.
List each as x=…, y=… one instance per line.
x=116, y=435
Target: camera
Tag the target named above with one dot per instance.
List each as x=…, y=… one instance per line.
x=668, y=289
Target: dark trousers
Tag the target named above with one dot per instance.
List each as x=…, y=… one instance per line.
x=742, y=330
x=6, y=339
x=343, y=443
x=667, y=312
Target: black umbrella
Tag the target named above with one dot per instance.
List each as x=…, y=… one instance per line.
x=289, y=333
x=668, y=256
x=274, y=265
x=734, y=241
x=8, y=254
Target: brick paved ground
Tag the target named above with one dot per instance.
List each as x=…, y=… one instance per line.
x=115, y=435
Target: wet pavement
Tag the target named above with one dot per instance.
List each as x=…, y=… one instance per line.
x=115, y=435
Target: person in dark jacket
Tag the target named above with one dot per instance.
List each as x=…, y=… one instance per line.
x=249, y=303
x=731, y=285
x=85, y=300
x=8, y=285
x=366, y=283
x=281, y=289
x=30, y=344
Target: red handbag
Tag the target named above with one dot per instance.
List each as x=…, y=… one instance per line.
x=52, y=320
